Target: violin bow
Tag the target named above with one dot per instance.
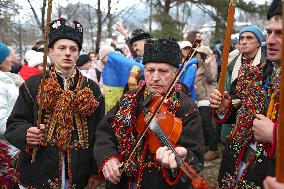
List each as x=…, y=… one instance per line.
x=227, y=42
x=46, y=38
x=280, y=129
x=126, y=163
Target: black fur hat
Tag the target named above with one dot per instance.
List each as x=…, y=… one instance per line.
x=162, y=51
x=83, y=59
x=274, y=9
x=59, y=30
x=139, y=34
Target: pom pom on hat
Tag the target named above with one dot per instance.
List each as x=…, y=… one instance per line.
x=4, y=52
x=59, y=30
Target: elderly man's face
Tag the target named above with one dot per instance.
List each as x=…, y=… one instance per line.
x=274, y=39
x=249, y=43
x=159, y=76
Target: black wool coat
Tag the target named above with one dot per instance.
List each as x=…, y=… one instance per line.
x=46, y=166
x=191, y=138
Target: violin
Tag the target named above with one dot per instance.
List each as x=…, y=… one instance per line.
x=172, y=126
x=165, y=130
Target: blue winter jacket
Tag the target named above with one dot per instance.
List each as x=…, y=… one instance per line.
x=188, y=76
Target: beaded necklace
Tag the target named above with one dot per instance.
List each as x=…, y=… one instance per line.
x=256, y=98
x=66, y=109
x=124, y=124
x=8, y=175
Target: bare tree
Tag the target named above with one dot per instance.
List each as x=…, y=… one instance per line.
x=91, y=25
x=110, y=19
x=8, y=30
x=99, y=24
x=215, y=9
x=40, y=21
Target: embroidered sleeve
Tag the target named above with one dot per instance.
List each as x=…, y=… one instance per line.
x=105, y=142
x=103, y=164
x=227, y=117
x=271, y=148
x=171, y=176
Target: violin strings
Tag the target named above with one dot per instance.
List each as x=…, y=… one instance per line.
x=161, y=135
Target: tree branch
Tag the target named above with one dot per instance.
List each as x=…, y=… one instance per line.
x=73, y=12
x=35, y=15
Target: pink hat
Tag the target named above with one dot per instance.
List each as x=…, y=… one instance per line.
x=105, y=50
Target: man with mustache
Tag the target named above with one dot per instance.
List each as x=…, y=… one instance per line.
x=137, y=42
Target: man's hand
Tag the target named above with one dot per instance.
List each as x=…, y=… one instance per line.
x=119, y=28
x=94, y=181
x=34, y=135
x=111, y=171
x=217, y=102
x=271, y=183
x=263, y=129
x=167, y=158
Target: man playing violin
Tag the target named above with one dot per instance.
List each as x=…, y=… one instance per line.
x=117, y=133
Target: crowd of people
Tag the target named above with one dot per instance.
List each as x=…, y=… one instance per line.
x=55, y=131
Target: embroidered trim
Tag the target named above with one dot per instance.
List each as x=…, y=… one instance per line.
x=167, y=178
x=63, y=106
x=8, y=175
x=254, y=96
x=25, y=84
x=103, y=164
x=270, y=148
x=124, y=126
x=226, y=115
x=63, y=110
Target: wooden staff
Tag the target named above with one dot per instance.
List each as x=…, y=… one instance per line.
x=46, y=39
x=280, y=130
x=227, y=42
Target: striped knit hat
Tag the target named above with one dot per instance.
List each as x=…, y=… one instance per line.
x=4, y=52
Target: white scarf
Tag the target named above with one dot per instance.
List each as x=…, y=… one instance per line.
x=256, y=61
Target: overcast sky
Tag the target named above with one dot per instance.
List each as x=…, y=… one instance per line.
x=120, y=5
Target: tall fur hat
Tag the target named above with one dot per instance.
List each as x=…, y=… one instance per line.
x=162, y=51
x=274, y=9
x=59, y=30
x=139, y=34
